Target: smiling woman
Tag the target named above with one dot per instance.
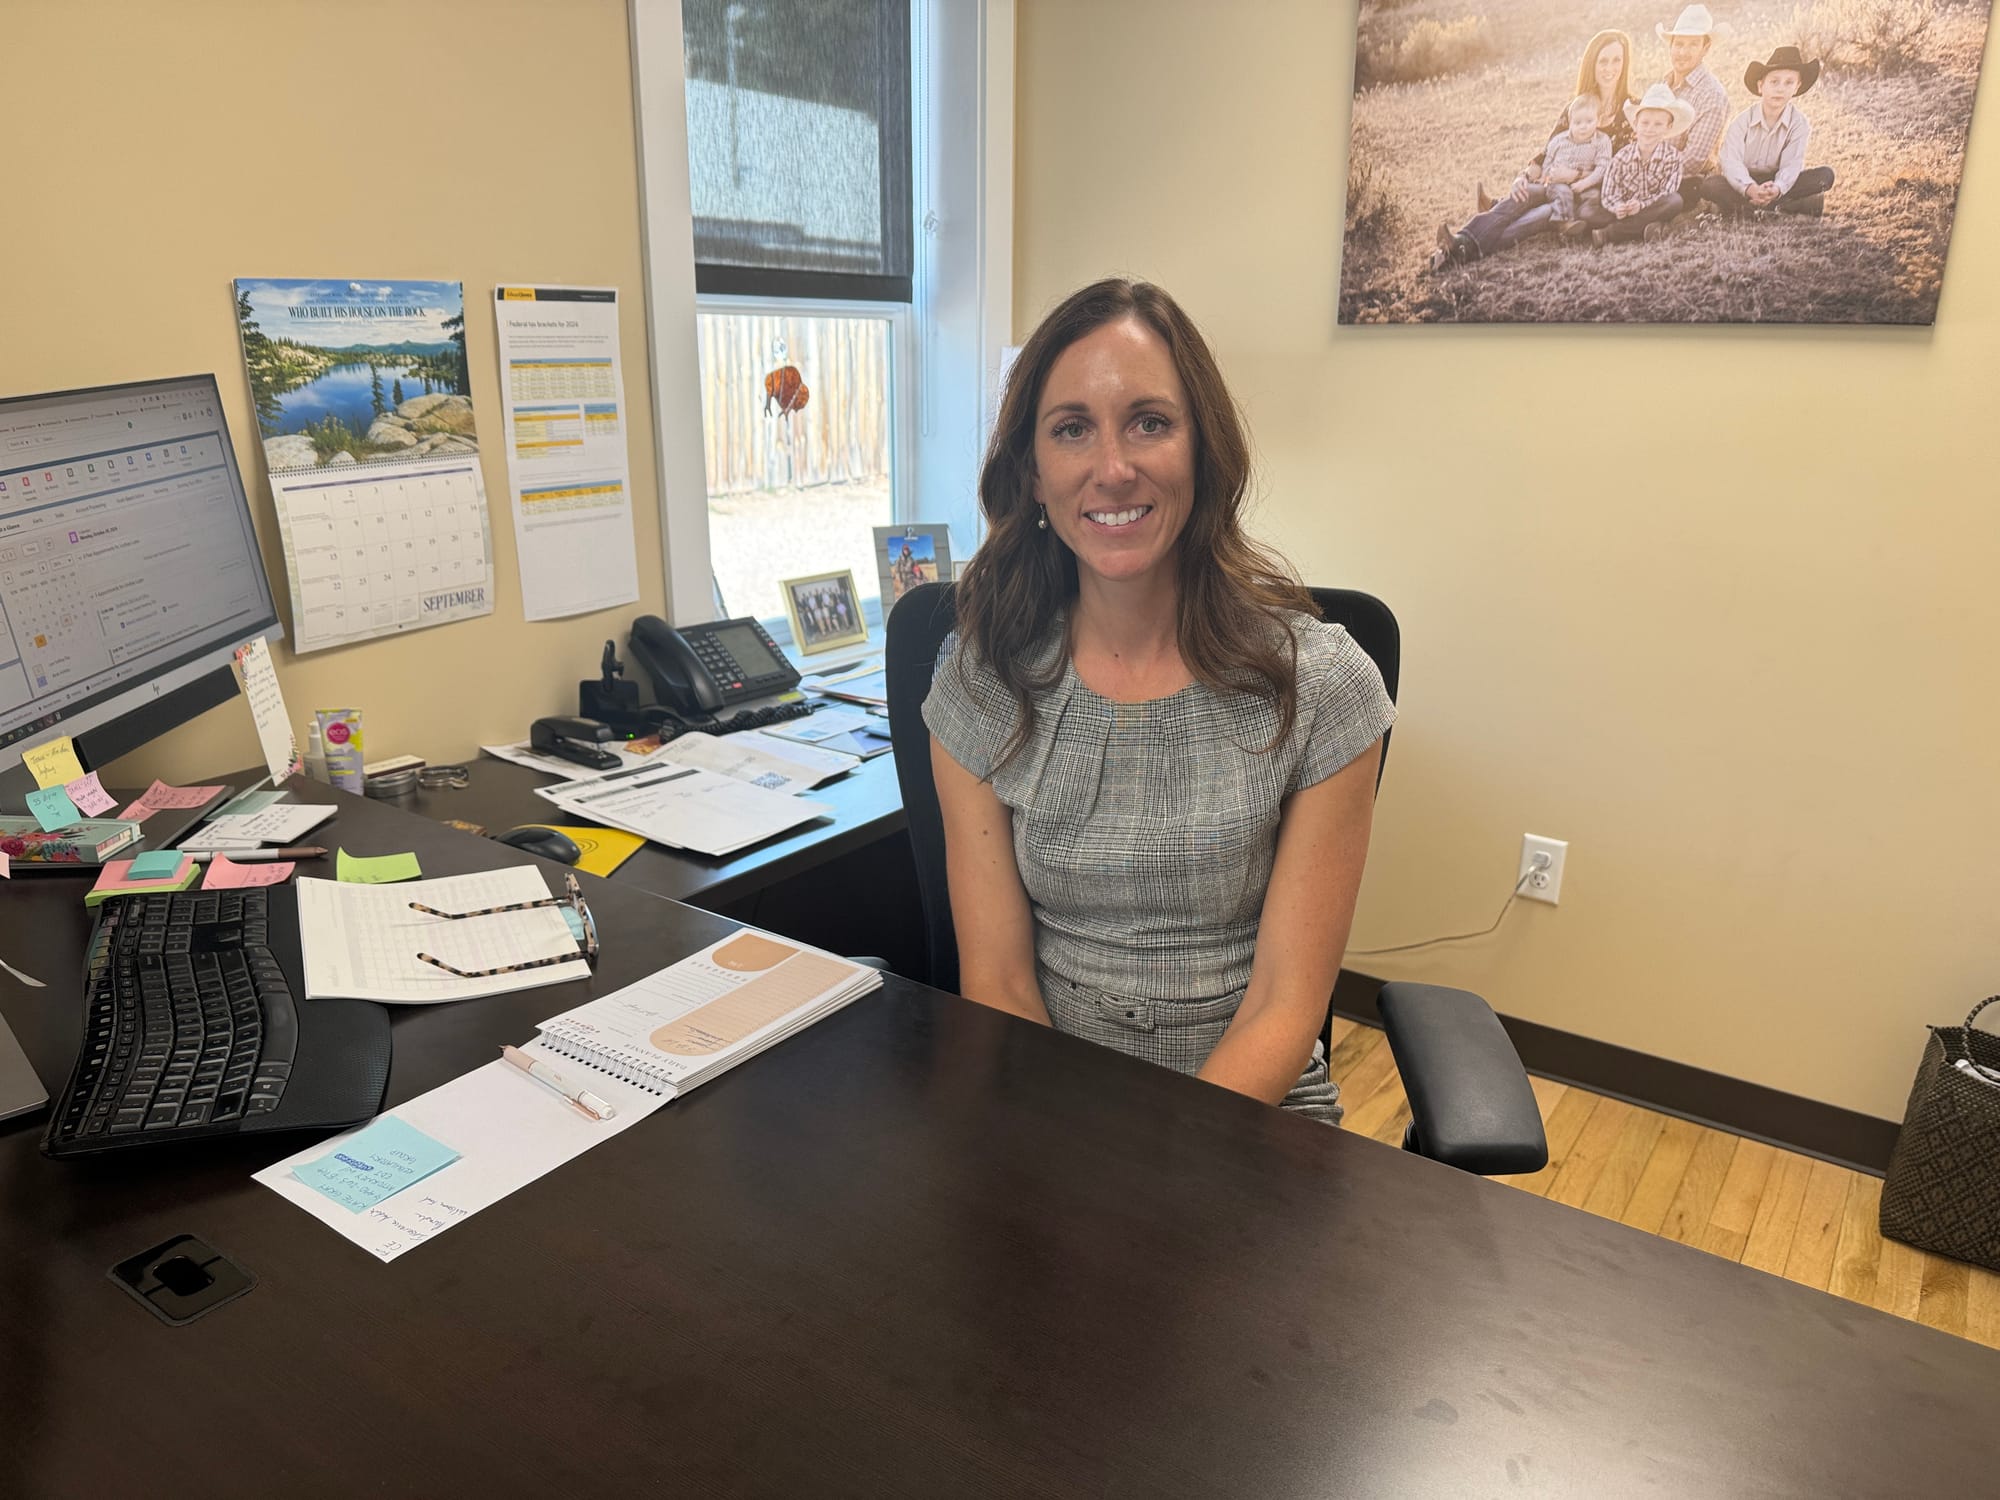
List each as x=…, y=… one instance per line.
x=1155, y=765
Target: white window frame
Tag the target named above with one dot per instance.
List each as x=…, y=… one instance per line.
x=902, y=356
x=945, y=365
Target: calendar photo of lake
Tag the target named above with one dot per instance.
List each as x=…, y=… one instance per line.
x=348, y=372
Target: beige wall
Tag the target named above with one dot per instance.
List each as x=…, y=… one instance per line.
x=157, y=151
x=1756, y=691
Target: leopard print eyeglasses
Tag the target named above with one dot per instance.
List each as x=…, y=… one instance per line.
x=583, y=925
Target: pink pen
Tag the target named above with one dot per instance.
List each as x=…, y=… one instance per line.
x=582, y=1100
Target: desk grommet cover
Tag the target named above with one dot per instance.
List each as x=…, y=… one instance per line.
x=181, y=1279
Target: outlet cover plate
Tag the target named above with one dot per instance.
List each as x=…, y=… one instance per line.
x=1543, y=885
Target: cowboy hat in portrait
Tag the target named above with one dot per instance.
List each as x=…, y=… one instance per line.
x=1784, y=57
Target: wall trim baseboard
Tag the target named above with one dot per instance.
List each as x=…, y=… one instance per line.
x=1842, y=1136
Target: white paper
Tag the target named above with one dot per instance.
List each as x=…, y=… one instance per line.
x=750, y=757
x=684, y=808
x=825, y=723
x=280, y=823
x=259, y=681
x=376, y=549
x=508, y=1129
x=564, y=407
x=361, y=941
x=521, y=753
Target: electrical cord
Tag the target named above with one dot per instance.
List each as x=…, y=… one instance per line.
x=1541, y=863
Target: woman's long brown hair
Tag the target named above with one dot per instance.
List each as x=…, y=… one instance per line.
x=1586, y=71
x=1234, y=592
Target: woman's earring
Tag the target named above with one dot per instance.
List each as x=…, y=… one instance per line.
x=1042, y=521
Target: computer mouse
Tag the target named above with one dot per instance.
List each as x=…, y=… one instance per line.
x=546, y=842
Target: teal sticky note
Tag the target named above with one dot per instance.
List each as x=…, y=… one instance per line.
x=245, y=803
x=155, y=864
x=53, y=809
x=376, y=1162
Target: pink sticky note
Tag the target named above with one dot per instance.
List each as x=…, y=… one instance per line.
x=160, y=795
x=88, y=793
x=6, y=866
x=226, y=874
x=138, y=812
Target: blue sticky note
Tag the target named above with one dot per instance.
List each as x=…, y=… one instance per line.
x=374, y=1163
x=53, y=809
x=155, y=864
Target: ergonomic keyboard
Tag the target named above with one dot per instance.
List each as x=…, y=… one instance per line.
x=193, y=1028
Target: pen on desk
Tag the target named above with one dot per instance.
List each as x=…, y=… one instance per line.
x=302, y=851
x=585, y=1102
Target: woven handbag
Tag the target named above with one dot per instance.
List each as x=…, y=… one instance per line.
x=1943, y=1189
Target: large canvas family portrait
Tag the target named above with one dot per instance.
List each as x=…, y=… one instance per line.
x=1773, y=161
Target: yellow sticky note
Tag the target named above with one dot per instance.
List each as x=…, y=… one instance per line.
x=382, y=869
x=53, y=763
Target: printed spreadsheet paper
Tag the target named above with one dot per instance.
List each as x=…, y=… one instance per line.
x=508, y=1130
x=361, y=941
x=563, y=406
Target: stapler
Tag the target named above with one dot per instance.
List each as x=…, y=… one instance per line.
x=574, y=739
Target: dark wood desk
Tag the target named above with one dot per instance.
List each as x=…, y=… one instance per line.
x=845, y=883
x=922, y=1249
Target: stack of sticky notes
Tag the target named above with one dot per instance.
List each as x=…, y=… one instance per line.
x=160, y=870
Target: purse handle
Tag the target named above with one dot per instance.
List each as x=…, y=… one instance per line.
x=1965, y=1031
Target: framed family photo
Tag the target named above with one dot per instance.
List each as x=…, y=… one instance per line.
x=909, y=555
x=825, y=611
x=1740, y=161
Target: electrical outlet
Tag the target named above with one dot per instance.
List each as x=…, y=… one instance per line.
x=1545, y=878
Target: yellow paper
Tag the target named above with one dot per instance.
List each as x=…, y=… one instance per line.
x=382, y=869
x=53, y=763
x=604, y=849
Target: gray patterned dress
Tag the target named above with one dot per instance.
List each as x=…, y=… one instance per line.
x=1145, y=835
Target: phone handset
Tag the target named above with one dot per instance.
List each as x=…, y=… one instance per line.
x=679, y=679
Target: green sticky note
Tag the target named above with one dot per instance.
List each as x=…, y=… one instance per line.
x=383, y=869
x=155, y=864
x=375, y=1163
x=52, y=808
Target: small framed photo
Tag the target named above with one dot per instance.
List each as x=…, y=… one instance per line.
x=909, y=555
x=825, y=611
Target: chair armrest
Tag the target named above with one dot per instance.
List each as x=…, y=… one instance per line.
x=1470, y=1103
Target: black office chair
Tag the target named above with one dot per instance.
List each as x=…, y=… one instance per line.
x=1470, y=1104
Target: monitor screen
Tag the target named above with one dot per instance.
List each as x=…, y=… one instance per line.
x=129, y=569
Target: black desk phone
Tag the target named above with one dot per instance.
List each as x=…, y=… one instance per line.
x=705, y=667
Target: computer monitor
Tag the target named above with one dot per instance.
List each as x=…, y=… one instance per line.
x=129, y=570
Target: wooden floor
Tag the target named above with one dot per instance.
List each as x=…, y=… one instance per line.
x=1791, y=1215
